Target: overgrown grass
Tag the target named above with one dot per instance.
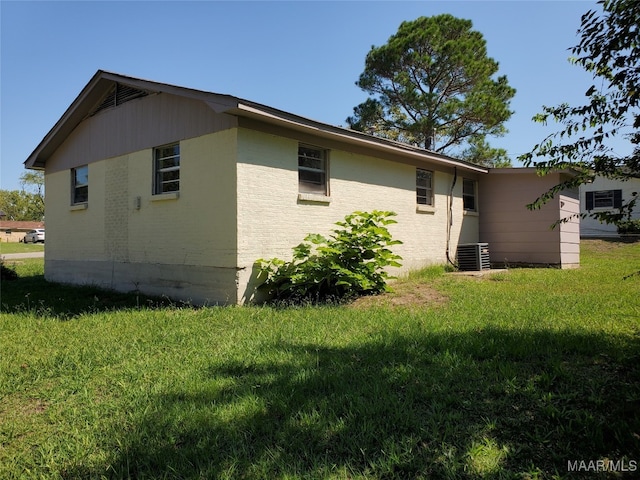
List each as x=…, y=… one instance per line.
x=514, y=376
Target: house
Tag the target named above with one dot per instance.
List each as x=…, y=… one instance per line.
x=606, y=195
x=520, y=236
x=14, y=231
x=174, y=191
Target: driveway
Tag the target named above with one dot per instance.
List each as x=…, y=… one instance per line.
x=18, y=256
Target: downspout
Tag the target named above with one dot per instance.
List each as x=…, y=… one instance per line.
x=450, y=215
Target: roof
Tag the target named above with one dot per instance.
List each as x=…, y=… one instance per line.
x=20, y=225
x=100, y=84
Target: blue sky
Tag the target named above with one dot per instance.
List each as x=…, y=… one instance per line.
x=302, y=57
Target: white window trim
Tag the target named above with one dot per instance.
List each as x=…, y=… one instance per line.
x=429, y=209
x=432, y=199
x=157, y=190
x=160, y=197
x=314, y=196
x=610, y=194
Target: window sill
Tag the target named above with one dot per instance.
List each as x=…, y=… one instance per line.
x=314, y=198
x=471, y=213
x=429, y=209
x=80, y=206
x=160, y=197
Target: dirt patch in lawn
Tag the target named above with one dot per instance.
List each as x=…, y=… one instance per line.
x=604, y=245
x=405, y=295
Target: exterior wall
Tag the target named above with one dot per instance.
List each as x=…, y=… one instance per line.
x=273, y=218
x=517, y=235
x=591, y=227
x=182, y=246
x=134, y=126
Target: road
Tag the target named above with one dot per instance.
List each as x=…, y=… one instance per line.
x=18, y=256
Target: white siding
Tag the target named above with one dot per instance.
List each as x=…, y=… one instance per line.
x=591, y=227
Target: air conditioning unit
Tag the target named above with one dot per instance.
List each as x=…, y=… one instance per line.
x=473, y=257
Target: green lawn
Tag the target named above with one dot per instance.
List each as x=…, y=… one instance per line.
x=19, y=247
x=515, y=375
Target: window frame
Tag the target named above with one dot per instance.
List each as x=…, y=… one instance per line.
x=473, y=196
x=322, y=187
x=594, y=200
x=77, y=186
x=428, y=197
x=158, y=172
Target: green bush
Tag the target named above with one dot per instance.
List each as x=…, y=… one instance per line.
x=7, y=273
x=349, y=263
x=629, y=226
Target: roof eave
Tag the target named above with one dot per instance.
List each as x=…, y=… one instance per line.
x=295, y=122
x=100, y=82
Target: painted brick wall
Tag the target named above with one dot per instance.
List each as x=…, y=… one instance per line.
x=209, y=227
x=272, y=219
x=75, y=232
x=124, y=224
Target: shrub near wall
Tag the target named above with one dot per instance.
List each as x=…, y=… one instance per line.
x=349, y=263
x=629, y=227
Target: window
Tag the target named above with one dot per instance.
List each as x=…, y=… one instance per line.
x=80, y=185
x=166, y=169
x=604, y=199
x=424, y=187
x=469, y=195
x=312, y=170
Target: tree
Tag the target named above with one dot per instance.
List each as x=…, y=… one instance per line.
x=20, y=205
x=609, y=50
x=432, y=85
x=33, y=179
x=480, y=152
x=23, y=204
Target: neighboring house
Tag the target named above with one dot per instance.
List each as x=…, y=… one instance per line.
x=605, y=195
x=173, y=191
x=14, y=231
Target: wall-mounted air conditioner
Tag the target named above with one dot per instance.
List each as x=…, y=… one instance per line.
x=473, y=257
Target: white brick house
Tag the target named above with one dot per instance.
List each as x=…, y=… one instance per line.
x=175, y=191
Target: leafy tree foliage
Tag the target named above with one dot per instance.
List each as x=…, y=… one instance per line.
x=20, y=205
x=432, y=85
x=349, y=263
x=26, y=204
x=609, y=50
x=33, y=180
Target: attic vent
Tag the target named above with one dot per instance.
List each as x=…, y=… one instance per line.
x=473, y=257
x=118, y=95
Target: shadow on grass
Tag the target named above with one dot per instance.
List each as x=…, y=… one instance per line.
x=484, y=404
x=32, y=293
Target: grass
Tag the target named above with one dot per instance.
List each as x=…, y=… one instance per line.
x=509, y=376
x=19, y=247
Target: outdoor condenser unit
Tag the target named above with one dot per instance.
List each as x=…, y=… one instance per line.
x=473, y=257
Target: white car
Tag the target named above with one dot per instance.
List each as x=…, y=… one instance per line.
x=34, y=236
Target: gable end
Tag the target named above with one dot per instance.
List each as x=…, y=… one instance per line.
x=117, y=95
